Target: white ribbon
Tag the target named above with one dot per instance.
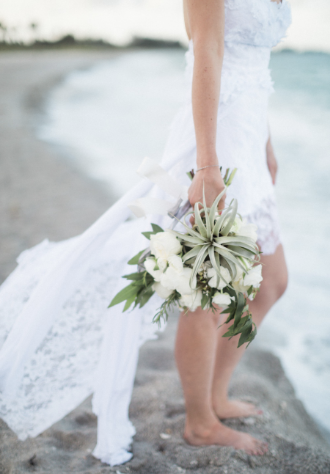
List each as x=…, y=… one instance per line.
x=154, y=172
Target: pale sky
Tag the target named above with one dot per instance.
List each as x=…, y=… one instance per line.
x=119, y=20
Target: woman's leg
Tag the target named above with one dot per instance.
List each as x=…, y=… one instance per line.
x=274, y=283
x=196, y=346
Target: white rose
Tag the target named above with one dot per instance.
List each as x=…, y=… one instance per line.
x=248, y=230
x=149, y=265
x=222, y=299
x=238, y=282
x=163, y=245
x=161, y=290
x=236, y=225
x=224, y=280
x=253, y=277
x=192, y=301
x=162, y=264
x=176, y=262
x=178, y=280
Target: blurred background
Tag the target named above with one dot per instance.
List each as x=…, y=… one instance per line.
x=106, y=118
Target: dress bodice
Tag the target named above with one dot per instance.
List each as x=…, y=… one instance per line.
x=261, y=23
x=252, y=28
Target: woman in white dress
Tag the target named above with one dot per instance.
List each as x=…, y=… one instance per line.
x=206, y=360
x=59, y=342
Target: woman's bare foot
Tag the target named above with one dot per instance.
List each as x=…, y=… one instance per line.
x=236, y=409
x=221, y=435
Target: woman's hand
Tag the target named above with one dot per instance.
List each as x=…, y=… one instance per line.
x=212, y=181
x=271, y=161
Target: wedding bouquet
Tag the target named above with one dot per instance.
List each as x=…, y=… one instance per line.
x=212, y=264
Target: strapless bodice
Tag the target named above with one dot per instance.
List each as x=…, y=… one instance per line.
x=260, y=23
x=252, y=28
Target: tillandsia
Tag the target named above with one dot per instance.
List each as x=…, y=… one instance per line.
x=212, y=265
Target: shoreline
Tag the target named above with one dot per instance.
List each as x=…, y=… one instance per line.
x=32, y=207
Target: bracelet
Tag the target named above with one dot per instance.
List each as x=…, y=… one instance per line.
x=208, y=166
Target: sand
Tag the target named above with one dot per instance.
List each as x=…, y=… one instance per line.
x=43, y=195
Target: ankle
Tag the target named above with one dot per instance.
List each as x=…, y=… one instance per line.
x=219, y=398
x=201, y=427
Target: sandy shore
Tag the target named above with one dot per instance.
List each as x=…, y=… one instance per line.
x=42, y=195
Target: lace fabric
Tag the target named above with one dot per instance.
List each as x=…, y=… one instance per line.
x=59, y=343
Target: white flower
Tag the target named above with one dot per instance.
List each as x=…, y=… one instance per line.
x=161, y=290
x=236, y=225
x=253, y=277
x=191, y=301
x=178, y=280
x=176, y=263
x=162, y=263
x=163, y=245
x=222, y=299
x=149, y=265
x=248, y=230
x=224, y=280
x=238, y=282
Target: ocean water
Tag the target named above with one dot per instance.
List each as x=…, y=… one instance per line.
x=108, y=118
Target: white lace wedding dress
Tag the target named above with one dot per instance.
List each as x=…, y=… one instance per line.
x=59, y=341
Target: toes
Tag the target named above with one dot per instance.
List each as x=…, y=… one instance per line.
x=257, y=448
x=260, y=448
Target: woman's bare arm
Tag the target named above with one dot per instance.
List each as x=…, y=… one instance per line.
x=271, y=160
x=205, y=20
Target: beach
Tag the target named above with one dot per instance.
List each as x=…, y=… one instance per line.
x=43, y=195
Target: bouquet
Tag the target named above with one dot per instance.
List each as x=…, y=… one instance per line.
x=212, y=265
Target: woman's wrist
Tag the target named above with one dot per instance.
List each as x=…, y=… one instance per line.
x=207, y=166
x=207, y=160
x=209, y=174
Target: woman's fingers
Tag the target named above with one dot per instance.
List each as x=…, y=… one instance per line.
x=222, y=201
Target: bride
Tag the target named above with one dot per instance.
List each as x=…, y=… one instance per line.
x=59, y=342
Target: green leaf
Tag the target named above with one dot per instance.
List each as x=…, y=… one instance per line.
x=205, y=300
x=231, y=177
x=136, y=258
x=214, y=208
x=146, y=297
x=199, y=222
x=147, y=234
x=124, y=294
x=188, y=238
x=248, y=254
x=236, y=240
x=221, y=220
x=231, y=219
x=207, y=216
x=239, y=308
x=190, y=176
x=230, y=267
x=247, y=334
x=192, y=253
x=225, y=253
x=250, y=290
x=129, y=303
x=156, y=228
x=215, y=261
x=192, y=233
x=199, y=260
x=134, y=276
x=252, y=335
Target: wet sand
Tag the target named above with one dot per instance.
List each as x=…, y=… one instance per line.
x=43, y=195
